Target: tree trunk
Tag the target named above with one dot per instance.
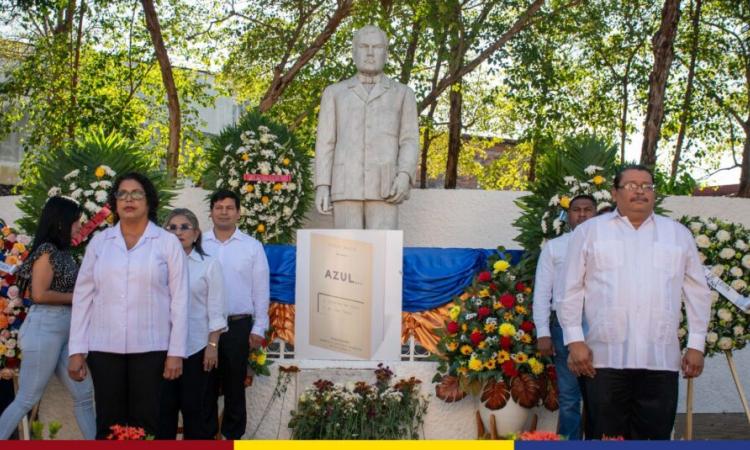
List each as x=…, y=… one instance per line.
x=74, y=76
x=744, y=190
x=624, y=117
x=532, y=160
x=685, y=114
x=173, y=103
x=411, y=51
x=663, y=45
x=454, y=136
x=281, y=81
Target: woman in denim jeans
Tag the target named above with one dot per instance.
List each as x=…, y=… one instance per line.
x=44, y=333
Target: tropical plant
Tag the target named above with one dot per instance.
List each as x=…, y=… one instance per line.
x=84, y=171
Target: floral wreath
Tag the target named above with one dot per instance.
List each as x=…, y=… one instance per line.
x=259, y=160
x=489, y=344
x=13, y=305
x=597, y=186
x=724, y=249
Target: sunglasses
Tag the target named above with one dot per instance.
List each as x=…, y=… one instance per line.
x=183, y=227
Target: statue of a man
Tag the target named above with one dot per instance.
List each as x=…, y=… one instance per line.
x=368, y=141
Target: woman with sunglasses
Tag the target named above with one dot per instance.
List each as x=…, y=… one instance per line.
x=51, y=272
x=196, y=392
x=130, y=310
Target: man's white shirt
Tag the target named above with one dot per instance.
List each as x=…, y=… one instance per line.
x=548, y=281
x=633, y=282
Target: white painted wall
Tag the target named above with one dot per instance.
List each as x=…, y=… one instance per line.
x=460, y=218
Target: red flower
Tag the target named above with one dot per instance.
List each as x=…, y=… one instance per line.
x=493, y=287
x=509, y=368
x=551, y=372
x=520, y=287
x=8, y=245
x=452, y=327
x=507, y=301
x=483, y=276
x=483, y=312
x=506, y=343
x=476, y=337
x=527, y=326
x=12, y=363
x=264, y=343
x=21, y=315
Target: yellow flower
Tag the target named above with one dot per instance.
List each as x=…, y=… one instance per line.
x=245, y=157
x=249, y=188
x=507, y=316
x=526, y=339
x=475, y=364
x=19, y=247
x=484, y=293
x=466, y=350
x=565, y=201
x=111, y=219
x=454, y=312
x=463, y=370
x=253, y=357
x=2, y=349
x=520, y=309
x=536, y=367
x=265, y=199
x=261, y=359
x=100, y=172
x=286, y=161
x=503, y=356
x=497, y=305
x=490, y=364
x=490, y=327
x=260, y=228
x=482, y=345
x=507, y=329
x=501, y=265
x=6, y=231
x=464, y=296
x=520, y=358
x=451, y=346
x=597, y=180
x=527, y=291
x=277, y=187
x=464, y=327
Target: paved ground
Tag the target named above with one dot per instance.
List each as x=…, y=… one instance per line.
x=715, y=426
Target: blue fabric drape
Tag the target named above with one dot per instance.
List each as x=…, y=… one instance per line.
x=432, y=276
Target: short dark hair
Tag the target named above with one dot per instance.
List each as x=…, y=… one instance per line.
x=55, y=222
x=152, y=195
x=583, y=197
x=625, y=168
x=221, y=194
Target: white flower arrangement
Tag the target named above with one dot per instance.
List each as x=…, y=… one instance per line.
x=717, y=242
x=99, y=180
x=267, y=176
x=596, y=186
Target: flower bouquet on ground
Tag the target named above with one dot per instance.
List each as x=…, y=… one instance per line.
x=724, y=248
x=13, y=305
x=383, y=410
x=488, y=345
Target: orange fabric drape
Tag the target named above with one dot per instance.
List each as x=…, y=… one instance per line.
x=281, y=317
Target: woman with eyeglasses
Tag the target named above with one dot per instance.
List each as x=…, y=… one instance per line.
x=196, y=392
x=51, y=271
x=130, y=310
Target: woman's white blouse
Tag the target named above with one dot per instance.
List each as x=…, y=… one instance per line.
x=208, y=309
x=131, y=301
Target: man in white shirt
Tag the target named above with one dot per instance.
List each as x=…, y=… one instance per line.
x=627, y=272
x=246, y=286
x=550, y=271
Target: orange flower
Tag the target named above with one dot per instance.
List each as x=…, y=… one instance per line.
x=245, y=156
x=277, y=187
x=265, y=200
x=260, y=228
x=3, y=321
x=249, y=188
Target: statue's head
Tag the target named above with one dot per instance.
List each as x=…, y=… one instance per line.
x=370, y=50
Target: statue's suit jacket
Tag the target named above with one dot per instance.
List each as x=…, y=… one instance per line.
x=364, y=140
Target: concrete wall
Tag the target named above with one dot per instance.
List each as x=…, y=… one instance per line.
x=440, y=218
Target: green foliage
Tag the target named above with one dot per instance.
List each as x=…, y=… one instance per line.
x=91, y=150
x=570, y=158
x=272, y=211
x=37, y=430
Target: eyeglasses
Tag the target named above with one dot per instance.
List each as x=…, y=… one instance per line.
x=182, y=227
x=130, y=195
x=632, y=187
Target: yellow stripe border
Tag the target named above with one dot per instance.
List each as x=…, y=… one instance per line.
x=373, y=445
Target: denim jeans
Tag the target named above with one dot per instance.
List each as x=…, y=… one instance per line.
x=567, y=383
x=43, y=339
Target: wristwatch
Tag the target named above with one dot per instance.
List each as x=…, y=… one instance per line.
x=213, y=344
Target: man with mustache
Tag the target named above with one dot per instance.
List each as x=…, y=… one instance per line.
x=626, y=275
x=367, y=144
